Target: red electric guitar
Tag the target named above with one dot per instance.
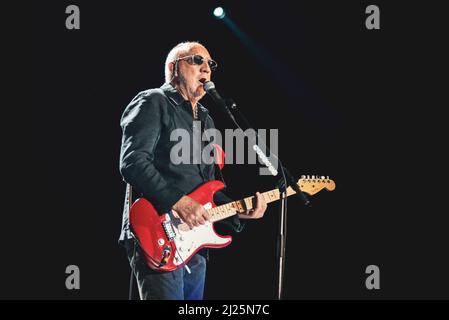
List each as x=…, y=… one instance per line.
x=168, y=243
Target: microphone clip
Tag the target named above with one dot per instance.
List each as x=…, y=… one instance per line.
x=292, y=183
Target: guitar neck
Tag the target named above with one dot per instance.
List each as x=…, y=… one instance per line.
x=240, y=206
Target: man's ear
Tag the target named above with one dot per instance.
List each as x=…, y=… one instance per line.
x=174, y=69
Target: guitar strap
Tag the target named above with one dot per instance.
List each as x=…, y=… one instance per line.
x=203, y=123
x=133, y=257
x=216, y=166
x=129, y=203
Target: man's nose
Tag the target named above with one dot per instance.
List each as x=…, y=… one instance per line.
x=205, y=67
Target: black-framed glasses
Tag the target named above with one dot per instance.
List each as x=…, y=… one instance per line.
x=199, y=60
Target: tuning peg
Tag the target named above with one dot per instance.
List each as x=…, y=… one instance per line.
x=303, y=177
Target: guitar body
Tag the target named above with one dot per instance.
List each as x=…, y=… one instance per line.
x=167, y=242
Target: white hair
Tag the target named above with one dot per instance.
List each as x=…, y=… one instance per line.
x=177, y=51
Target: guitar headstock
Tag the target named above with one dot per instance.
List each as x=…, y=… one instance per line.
x=314, y=184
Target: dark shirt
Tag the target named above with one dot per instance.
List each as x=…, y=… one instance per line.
x=145, y=164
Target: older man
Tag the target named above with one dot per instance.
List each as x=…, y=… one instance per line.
x=145, y=165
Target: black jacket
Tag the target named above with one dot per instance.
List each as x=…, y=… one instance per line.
x=145, y=164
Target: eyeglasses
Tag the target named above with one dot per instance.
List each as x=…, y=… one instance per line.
x=199, y=60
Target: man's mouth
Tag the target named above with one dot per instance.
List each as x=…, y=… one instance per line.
x=202, y=80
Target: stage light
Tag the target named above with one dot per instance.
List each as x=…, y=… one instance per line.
x=219, y=13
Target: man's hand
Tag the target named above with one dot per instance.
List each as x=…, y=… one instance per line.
x=258, y=211
x=191, y=212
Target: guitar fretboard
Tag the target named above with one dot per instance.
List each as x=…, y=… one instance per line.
x=240, y=206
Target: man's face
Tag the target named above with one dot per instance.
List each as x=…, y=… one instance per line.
x=191, y=75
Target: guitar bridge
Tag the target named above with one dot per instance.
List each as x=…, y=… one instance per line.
x=168, y=229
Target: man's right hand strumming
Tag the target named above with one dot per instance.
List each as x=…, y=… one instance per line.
x=191, y=212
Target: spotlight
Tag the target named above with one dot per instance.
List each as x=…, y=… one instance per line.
x=219, y=13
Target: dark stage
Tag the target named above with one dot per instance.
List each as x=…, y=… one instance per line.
x=350, y=103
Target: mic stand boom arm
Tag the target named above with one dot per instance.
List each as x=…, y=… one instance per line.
x=262, y=156
x=287, y=180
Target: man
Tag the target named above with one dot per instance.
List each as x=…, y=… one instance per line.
x=145, y=165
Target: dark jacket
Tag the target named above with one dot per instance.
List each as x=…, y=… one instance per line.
x=145, y=164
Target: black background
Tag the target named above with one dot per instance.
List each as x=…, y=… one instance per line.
x=359, y=105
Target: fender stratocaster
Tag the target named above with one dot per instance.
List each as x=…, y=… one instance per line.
x=168, y=243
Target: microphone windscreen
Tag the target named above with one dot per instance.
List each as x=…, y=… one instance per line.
x=208, y=85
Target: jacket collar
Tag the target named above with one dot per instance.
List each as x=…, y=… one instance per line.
x=177, y=99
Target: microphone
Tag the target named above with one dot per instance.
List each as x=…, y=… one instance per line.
x=209, y=87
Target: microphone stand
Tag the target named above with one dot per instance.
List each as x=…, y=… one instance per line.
x=287, y=180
